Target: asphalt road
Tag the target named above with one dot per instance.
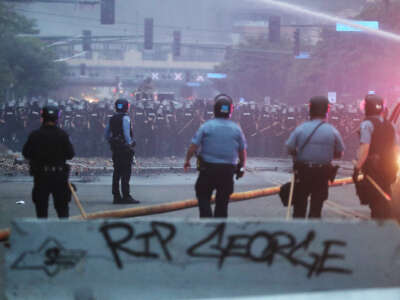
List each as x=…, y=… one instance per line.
x=161, y=188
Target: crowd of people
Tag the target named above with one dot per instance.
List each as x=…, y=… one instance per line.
x=165, y=128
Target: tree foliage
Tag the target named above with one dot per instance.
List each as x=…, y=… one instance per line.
x=255, y=68
x=352, y=63
x=27, y=67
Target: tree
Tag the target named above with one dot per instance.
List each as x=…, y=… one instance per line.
x=255, y=69
x=27, y=67
x=349, y=63
x=352, y=63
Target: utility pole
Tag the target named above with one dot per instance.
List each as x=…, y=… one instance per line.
x=387, y=6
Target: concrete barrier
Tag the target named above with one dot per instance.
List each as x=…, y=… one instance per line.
x=368, y=294
x=167, y=258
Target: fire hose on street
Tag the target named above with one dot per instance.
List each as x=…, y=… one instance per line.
x=173, y=206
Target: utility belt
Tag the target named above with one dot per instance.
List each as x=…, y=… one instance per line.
x=48, y=169
x=327, y=168
x=118, y=144
x=204, y=166
x=310, y=165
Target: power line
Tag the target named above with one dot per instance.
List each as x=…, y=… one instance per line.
x=87, y=2
x=129, y=23
x=109, y=28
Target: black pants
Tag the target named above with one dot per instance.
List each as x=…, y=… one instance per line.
x=380, y=207
x=122, y=172
x=55, y=183
x=214, y=177
x=310, y=181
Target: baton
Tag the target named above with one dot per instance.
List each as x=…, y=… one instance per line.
x=259, y=131
x=135, y=163
x=265, y=128
x=376, y=186
x=290, y=197
x=78, y=203
x=184, y=127
x=395, y=114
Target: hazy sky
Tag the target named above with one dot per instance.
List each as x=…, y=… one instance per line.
x=201, y=21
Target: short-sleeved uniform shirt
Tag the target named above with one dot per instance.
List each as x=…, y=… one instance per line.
x=220, y=141
x=126, y=125
x=366, y=130
x=322, y=146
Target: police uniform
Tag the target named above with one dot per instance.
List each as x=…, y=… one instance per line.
x=221, y=141
x=139, y=123
x=119, y=134
x=47, y=150
x=378, y=135
x=312, y=159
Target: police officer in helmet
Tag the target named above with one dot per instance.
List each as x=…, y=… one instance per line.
x=120, y=136
x=313, y=145
x=47, y=150
x=222, y=153
x=376, y=158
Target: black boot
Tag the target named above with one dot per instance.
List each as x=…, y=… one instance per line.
x=117, y=199
x=129, y=200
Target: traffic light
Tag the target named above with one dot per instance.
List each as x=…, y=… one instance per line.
x=296, y=48
x=274, y=25
x=107, y=12
x=176, y=45
x=188, y=76
x=87, y=40
x=82, y=70
x=148, y=33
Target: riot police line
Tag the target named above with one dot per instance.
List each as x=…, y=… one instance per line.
x=221, y=149
x=164, y=129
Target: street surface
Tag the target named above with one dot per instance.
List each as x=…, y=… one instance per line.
x=161, y=186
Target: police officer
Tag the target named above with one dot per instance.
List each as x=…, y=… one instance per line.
x=376, y=157
x=47, y=150
x=119, y=134
x=221, y=142
x=313, y=145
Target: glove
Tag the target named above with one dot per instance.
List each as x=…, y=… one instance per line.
x=239, y=171
x=356, y=172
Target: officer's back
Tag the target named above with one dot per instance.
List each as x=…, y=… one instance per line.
x=222, y=144
x=47, y=150
x=313, y=144
x=48, y=145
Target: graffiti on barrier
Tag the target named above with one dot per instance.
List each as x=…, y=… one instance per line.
x=217, y=244
x=51, y=257
x=157, y=232
x=260, y=247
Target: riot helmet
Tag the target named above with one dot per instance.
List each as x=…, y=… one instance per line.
x=121, y=105
x=319, y=106
x=50, y=113
x=223, y=106
x=373, y=105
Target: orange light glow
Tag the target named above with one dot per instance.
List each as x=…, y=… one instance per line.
x=91, y=99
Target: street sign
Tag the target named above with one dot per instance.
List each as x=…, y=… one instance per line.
x=216, y=75
x=303, y=55
x=332, y=97
x=369, y=24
